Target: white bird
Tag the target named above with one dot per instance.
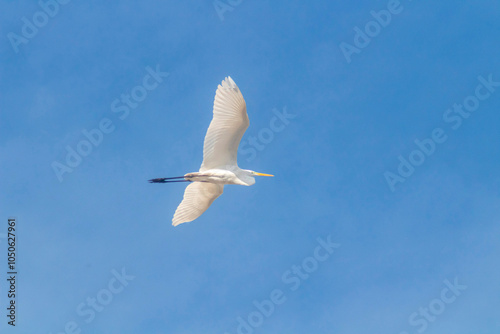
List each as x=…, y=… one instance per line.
x=220, y=150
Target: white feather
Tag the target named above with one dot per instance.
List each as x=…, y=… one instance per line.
x=228, y=125
x=197, y=198
x=220, y=150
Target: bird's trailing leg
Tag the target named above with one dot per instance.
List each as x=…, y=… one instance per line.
x=168, y=179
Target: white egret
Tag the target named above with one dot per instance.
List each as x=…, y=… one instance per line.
x=220, y=150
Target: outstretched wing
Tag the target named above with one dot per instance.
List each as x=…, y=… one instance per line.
x=228, y=125
x=197, y=198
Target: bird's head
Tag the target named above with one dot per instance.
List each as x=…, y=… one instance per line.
x=247, y=176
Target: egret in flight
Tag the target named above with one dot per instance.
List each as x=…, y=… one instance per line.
x=220, y=150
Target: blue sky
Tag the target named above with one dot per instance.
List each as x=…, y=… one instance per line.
x=418, y=256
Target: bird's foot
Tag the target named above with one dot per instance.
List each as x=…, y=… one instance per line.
x=159, y=180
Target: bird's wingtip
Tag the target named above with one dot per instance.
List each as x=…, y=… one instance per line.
x=229, y=83
x=176, y=222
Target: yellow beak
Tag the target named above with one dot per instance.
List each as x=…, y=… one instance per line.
x=262, y=174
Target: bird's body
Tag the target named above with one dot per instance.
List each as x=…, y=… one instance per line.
x=222, y=176
x=220, y=151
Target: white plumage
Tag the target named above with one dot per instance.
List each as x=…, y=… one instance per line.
x=227, y=127
x=198, y=196
x=220, y=151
